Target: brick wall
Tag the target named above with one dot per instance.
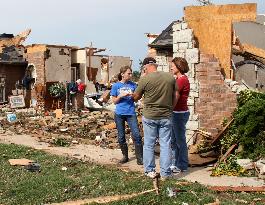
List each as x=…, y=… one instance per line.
x=37, y=59
x=216, y=100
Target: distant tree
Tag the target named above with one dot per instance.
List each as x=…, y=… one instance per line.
x=140, y=63
x=141, y=66
x=136, y=75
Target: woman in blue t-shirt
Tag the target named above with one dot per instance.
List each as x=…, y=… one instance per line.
x=121, y=93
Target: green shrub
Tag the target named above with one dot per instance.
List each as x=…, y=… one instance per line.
x=248, y=126
x=247, y=95
x=250, y=123
x=57, y=90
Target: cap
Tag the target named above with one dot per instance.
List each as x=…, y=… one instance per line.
x=149, y=60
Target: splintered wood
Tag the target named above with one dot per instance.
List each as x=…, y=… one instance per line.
x=104, y=199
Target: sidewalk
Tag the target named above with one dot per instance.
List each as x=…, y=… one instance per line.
x=100, y=155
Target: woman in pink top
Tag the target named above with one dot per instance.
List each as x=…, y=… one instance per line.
x=180, y=116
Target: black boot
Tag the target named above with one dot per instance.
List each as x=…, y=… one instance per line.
x=139, y=153
x=124, y=151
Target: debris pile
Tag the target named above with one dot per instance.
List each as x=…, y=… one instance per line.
x=57, y=129
x=243, y=137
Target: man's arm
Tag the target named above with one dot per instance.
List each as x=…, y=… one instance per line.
x=136, y=96
x=138, y=93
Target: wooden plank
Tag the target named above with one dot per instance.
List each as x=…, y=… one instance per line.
x=228, y=152
x=220, y=134
x=226, y=155
x=238, y=189
x=197, y=160
x=104, y=199
x=19, y=162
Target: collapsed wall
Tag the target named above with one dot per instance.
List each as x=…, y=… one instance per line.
x=210, y=100
x=216, y=100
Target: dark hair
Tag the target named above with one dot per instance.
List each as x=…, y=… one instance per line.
x=123, y=70
x=104, y=60
x=149, y=60
x=181, y=64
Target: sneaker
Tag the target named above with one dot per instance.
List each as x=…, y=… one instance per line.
x=151, y=174
x=175, y=169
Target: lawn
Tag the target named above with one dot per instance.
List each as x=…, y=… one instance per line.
x=86, y=180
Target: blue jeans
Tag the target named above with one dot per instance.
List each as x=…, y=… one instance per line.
x=179, y=144
x=133, y=124
x=162, y=129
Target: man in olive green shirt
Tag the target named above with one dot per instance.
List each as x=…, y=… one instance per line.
x=159, y=91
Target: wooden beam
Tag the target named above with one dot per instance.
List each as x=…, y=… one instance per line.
x=220, y=134
x=238, y=189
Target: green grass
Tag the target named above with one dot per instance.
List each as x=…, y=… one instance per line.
x=86, y=180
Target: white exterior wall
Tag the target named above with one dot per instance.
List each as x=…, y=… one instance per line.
x=183, y=46
x=79, y=56
x=58, y=67
x=162, y=62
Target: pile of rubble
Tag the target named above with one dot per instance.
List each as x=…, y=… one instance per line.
x=88, y=127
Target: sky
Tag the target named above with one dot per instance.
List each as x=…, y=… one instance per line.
x=117, y=25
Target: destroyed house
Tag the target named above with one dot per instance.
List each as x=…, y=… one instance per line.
x=204, y=38
x=12, y=65
x=47, y=64
x=162, y=48
x=90, y=67
x=249, y=54
x=261, y=19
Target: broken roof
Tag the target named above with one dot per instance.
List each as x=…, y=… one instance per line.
x=165, y=39
x=251, y=33
x=48, y=45
x=11, y=48
x=6, y=35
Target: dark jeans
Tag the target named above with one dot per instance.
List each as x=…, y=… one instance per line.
x=133, y=124
x=179, y=145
